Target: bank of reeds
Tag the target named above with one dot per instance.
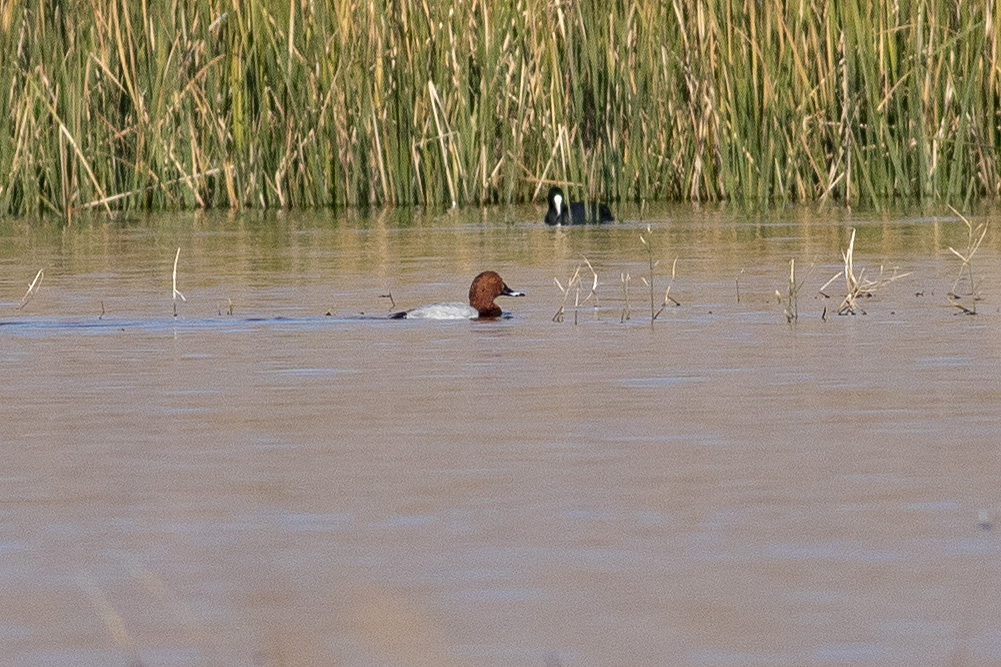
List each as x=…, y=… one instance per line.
x=160, y=104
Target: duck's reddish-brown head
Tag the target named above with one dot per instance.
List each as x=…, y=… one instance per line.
x=486, y=287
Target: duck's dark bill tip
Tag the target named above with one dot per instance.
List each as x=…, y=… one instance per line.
x=507, y=291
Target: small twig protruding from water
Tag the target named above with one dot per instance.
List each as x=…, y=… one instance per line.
x=975, y=236
x=626, y=312
x=593, y=294
x=856, y=284
x=175, y=292
x=574, y=284
x=229, y=309
x=389, y=295
x=101, y=316
x=32, y=288
x=791, y=300
x=654, y=311
x=653, y=265
x=667, y=292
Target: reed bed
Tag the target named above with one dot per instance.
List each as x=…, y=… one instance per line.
x=163, y=105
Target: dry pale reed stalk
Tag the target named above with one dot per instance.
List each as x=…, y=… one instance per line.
x=576, y=285
x=174, y=292
x=975, y=236
x=857, y=285
x=32, y=288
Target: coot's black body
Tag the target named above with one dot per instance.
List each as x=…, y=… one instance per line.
x=562, y=212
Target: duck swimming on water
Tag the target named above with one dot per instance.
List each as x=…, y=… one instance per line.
x=486, y=287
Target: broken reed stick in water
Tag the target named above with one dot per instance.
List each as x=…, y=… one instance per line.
x=975, y=238
x=229, y=309
x=790, y=302
x=654, y=311
x=667, y=293
x=574, y=284
x=176, y=293
x=31, y=289
x=857, y=285
x=653, y=265
x=594, y=284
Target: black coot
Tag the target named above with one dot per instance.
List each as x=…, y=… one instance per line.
x=563, y=212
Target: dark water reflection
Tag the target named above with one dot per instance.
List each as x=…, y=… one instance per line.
x=277, y=486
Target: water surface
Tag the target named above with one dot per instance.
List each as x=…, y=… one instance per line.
x=280, y=476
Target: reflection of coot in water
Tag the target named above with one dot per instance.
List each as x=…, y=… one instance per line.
x=563, y=212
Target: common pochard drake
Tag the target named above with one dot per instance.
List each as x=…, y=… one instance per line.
x=562, y=212
x=486, y=287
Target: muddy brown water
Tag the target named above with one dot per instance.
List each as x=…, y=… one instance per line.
x=256, y=482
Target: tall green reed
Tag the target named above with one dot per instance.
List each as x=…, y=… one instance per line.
x=161, y=105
